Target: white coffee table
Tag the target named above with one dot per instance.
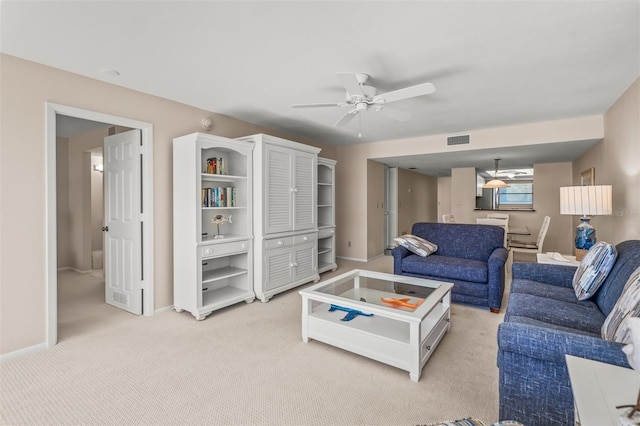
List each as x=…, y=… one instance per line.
x=404, y=337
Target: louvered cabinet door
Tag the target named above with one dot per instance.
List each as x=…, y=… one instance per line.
x=278, y=267
x=278, y=190
x=304, y=192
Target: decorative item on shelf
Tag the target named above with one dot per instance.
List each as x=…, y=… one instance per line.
x=594, y=200
x=632, y=350
x=495, y=182
x=217, y=220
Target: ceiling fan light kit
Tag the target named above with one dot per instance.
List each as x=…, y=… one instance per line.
x=362, y=98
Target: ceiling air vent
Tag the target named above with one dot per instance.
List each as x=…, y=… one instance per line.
x=458, y=140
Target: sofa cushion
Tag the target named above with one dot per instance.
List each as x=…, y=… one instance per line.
x=536, y=288
x=615, y=326
x=580, y=316
x=593, y=269
x=417, y=245
x=446, y=267
x=515, y=319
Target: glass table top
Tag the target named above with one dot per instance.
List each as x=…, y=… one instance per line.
x=393, y=291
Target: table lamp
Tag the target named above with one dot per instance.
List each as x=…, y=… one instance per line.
x=592, y=200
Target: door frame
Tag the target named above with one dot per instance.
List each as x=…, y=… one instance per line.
x=51, y=264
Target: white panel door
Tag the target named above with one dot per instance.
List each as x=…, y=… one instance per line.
x=123, y=226
x=278, y=189
x=304, y=192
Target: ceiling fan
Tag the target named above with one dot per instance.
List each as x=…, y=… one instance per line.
x=361, y=98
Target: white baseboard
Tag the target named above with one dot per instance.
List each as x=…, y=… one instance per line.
x=162, y=310
x=351, y=258
x=22, y=352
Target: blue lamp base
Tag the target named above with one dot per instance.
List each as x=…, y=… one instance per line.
x=585, y=234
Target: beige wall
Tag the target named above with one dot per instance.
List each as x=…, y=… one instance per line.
x=352, y=181
x=417, y=199
x=80, y=203
x=25, y=87
x=617, y=162
x=444, y=197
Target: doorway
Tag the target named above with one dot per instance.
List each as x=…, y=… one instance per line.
x=146, y=206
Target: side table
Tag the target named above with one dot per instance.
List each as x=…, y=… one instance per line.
x=598, y=388
x=547, y=258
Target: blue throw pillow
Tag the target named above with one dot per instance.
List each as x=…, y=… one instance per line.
x=593, y=269
x=628, y=305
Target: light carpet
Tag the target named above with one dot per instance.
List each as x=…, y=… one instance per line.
x=243, y=365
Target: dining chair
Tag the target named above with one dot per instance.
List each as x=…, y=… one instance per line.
x=504, y=216
x=531, y=247
x=448, y=218
x=504, y=223
x=498, y=216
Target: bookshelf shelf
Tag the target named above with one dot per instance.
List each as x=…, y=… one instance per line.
x=326, y=215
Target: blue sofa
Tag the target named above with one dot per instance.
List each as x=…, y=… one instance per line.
x=470, y=256
x=544, y=321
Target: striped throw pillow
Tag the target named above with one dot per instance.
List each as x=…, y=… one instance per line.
x=616, y=327
x=593, y=269
x=417, y=245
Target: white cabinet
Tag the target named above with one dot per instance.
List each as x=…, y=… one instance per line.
x=326, y=215
x=212, y=223
x=286, y=216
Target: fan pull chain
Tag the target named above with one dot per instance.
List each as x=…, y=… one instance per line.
x=360, y=125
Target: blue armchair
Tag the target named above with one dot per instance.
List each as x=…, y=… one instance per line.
x=470, y=256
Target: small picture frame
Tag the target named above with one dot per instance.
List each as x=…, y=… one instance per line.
x=588, y=177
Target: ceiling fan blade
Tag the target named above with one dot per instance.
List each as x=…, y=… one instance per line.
x=315, y=105
x=406, y=93
x=347, y=117
x=395, y=114
x=350, y=83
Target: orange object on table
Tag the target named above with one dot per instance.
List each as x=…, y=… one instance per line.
x=396, y=303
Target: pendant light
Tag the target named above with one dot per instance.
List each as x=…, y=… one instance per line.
x=495, y=182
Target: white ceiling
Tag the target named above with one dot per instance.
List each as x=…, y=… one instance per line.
x=494, y=63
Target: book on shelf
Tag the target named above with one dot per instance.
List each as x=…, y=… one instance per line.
x=218, y=197
x=215, y=166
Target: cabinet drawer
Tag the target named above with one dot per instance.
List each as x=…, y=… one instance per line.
x=222, y=249
x=326, y=233
x=305, y=238
x=278, y=242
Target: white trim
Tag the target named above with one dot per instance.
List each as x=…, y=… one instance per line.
x=51, y=109
x=162, y=310
x=22, y=352
x=351, y=258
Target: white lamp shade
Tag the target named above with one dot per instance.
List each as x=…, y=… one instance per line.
x=592, y=200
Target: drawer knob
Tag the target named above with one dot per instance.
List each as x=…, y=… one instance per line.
x=244, y=245
x=280, y=243
x=306, y=238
